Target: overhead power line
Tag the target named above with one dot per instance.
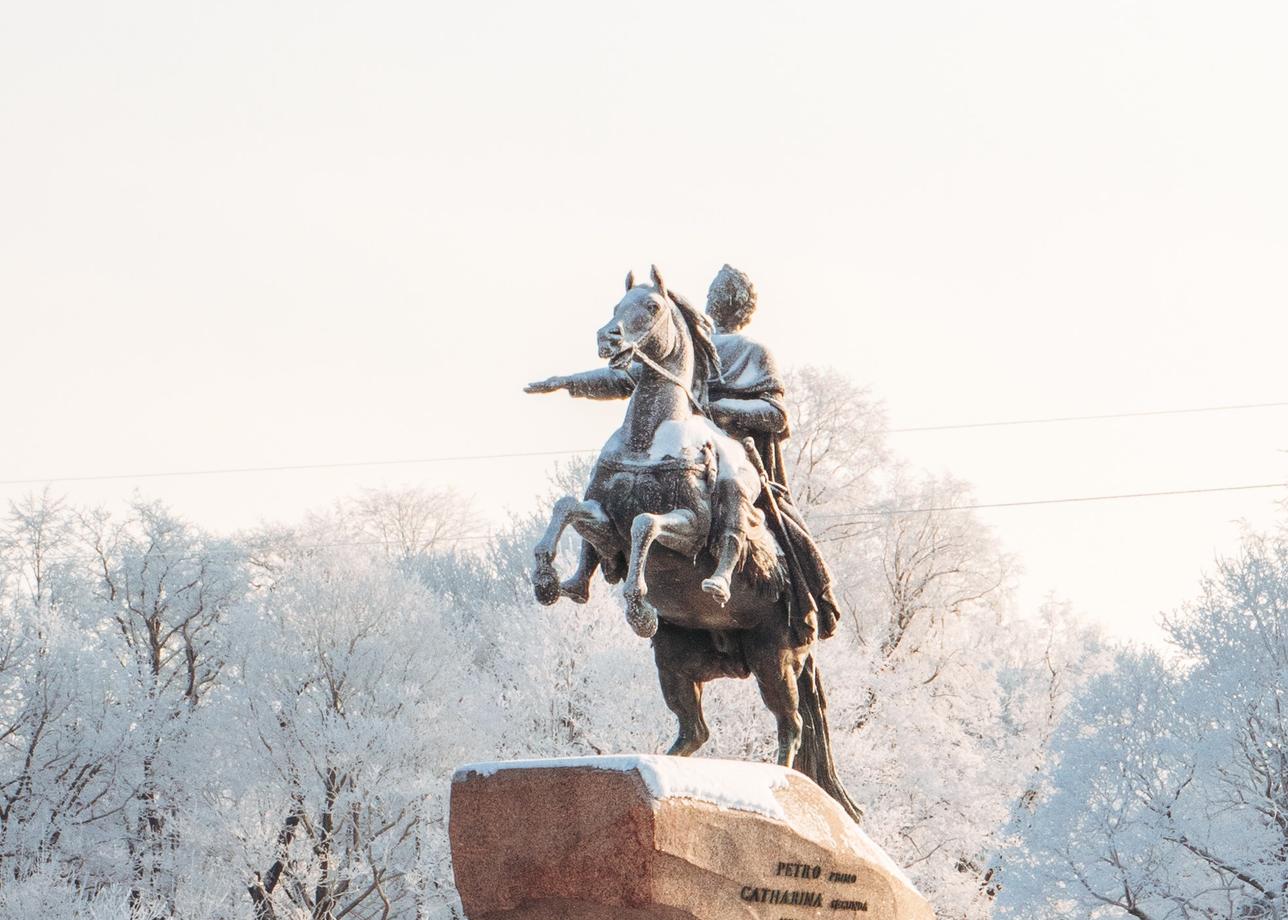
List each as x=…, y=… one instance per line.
x=252, y=551
x=459, y=458
x=1089, y=418
x=292, y=467
x=1065, y=501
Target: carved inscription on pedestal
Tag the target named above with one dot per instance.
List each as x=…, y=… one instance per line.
x=813, y=886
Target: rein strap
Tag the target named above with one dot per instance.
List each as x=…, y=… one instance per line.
x=636, y=352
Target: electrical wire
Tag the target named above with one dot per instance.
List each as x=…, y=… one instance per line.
x=1122, y=496
x=1089, y=418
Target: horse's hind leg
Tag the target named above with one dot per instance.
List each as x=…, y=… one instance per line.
x=686, y=659
x=777, y=666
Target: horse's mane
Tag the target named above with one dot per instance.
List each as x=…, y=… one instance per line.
x=706, y=361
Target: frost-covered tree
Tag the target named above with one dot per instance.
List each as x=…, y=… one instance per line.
x=1169, y=797
x=836, y=455
x=112, y=647
x=410, y=522
x=158, y=595
x=59, y=738
x=354, y=709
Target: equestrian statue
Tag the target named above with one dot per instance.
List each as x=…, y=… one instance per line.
x=688, y=505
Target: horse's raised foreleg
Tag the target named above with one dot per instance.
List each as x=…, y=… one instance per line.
x=577, y=585
x=777, y=666
x=545, y=580
x=592, y=523
x=675, y=530
x=599, y=544
x=640, y=613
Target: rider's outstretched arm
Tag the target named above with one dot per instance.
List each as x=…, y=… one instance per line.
x=602, y=383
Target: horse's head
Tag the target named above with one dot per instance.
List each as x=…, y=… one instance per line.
x=663, y=330
x=643, y=319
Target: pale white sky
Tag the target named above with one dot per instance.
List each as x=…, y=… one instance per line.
x=245, y=234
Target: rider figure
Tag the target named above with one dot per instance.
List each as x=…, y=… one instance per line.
x=747, y=400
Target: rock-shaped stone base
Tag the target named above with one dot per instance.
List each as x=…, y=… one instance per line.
x=663, y=838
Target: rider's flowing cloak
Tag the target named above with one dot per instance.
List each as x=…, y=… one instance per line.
x=748, y=372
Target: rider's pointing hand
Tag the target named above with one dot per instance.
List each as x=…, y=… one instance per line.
x=549, y=385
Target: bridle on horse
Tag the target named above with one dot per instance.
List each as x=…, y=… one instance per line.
x=633, y=346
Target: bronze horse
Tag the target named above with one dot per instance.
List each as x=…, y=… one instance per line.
x=714, y=606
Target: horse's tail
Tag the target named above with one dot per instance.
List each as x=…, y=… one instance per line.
x=814, y=758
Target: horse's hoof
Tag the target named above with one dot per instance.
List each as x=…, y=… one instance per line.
x=641, y=616
x=686, y=745
x=718, y=588
x=577, y=592
x=545, y=582
x=545, y=590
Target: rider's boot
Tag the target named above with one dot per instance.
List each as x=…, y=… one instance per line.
x=730, y=524
x=718, y=584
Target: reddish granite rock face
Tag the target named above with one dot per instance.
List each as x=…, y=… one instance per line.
x=663, y=838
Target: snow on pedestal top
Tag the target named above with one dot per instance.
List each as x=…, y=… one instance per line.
x=733, y=784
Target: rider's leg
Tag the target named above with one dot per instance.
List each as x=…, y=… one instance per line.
x=730, y=526
x=675, y=530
